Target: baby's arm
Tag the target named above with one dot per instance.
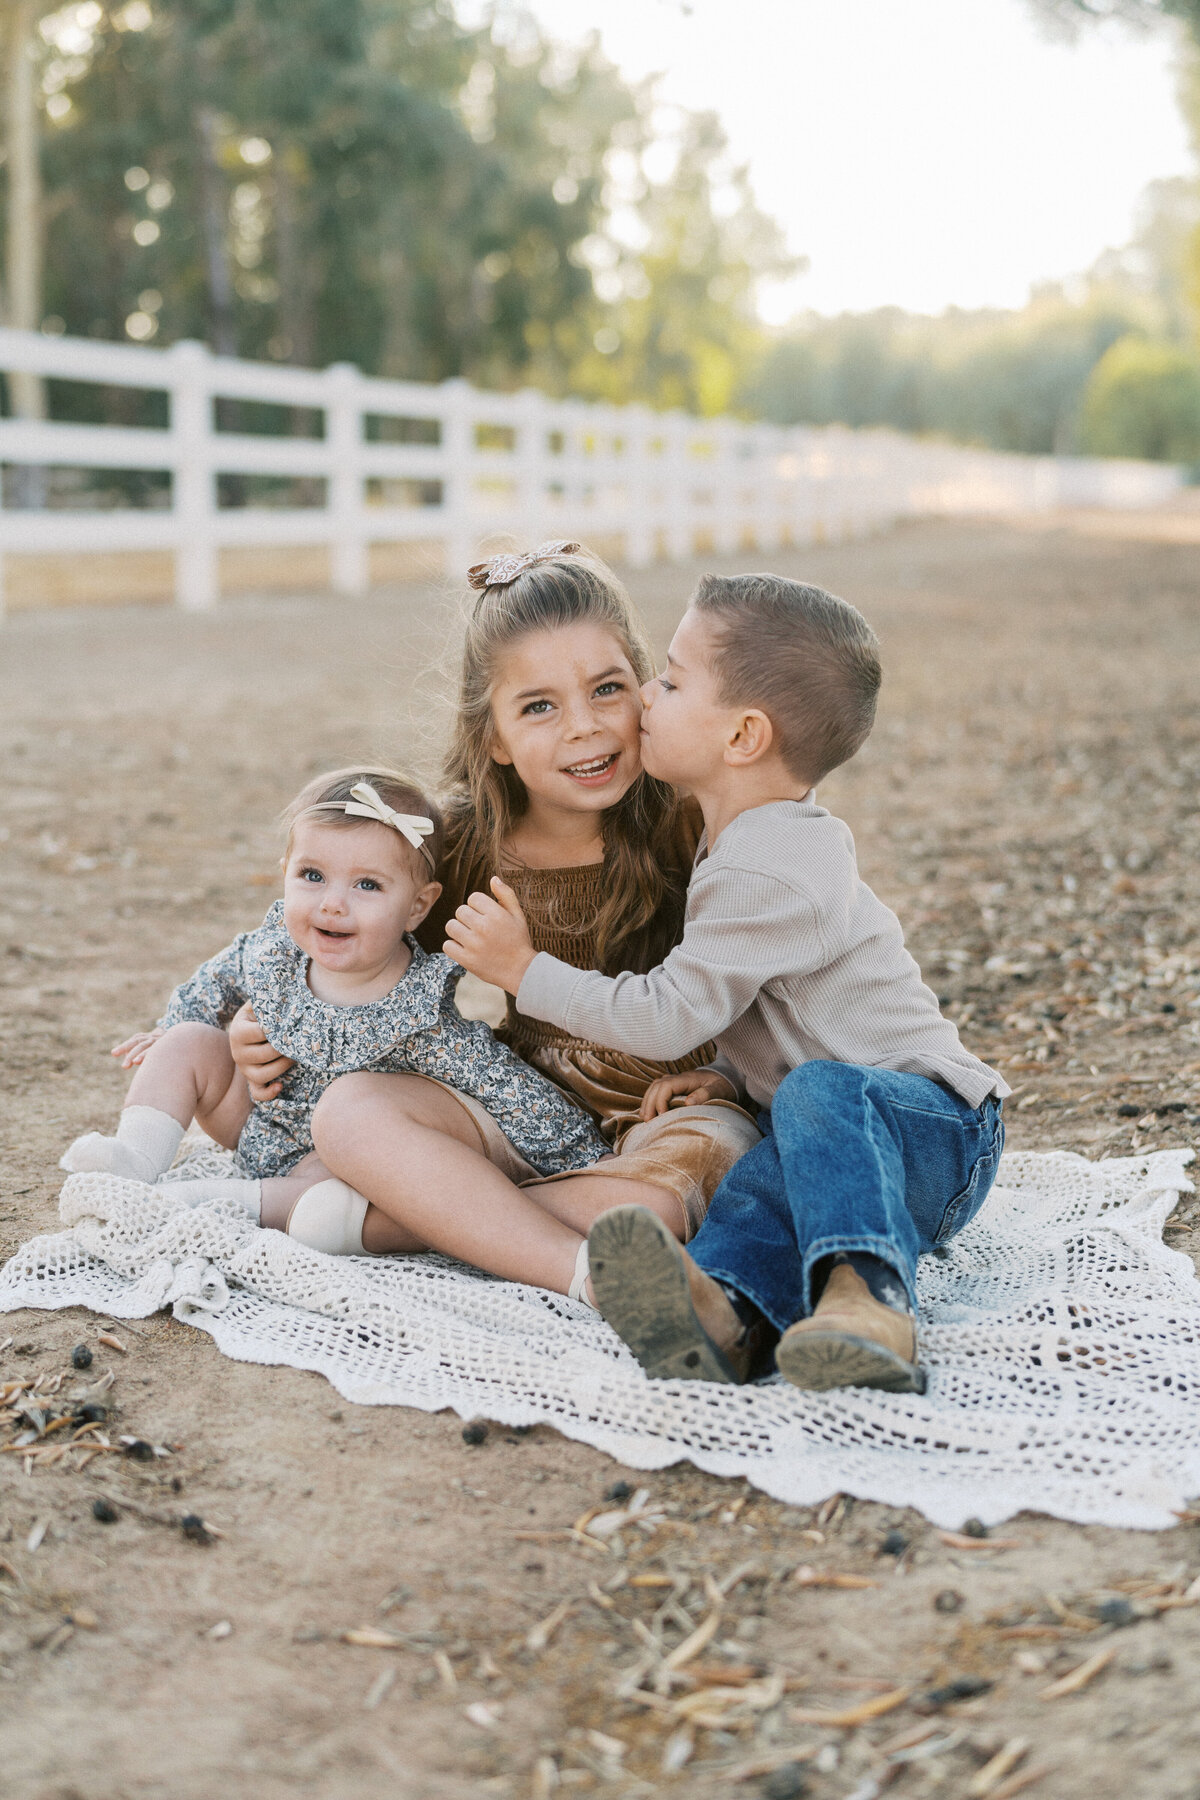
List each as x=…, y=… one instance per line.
x=214, y=993
x=210, y=997
x=133, y=1051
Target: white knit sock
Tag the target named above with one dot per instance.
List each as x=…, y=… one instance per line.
x=329, y=1217
x=579, y=1281
x=248, y=1194
x=143, y=1149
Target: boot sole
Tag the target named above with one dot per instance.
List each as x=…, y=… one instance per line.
x=641, y=1289
x=818, y=1360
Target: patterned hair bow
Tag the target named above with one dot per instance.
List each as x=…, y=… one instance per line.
x=365, y=803
x=502, y=571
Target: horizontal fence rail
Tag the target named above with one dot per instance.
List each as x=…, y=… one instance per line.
x=353, y=462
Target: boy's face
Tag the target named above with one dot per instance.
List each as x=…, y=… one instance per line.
x=686, y=725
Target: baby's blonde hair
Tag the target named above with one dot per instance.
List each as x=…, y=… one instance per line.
x=327, y=794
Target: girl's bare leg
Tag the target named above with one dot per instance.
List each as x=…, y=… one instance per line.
x=578, y=1200
x=414, y=1152
x=281, y=1192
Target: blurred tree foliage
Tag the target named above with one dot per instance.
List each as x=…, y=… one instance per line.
x=369, y=180
x=1015, y=380
x=1143, y=399
x=374, y=181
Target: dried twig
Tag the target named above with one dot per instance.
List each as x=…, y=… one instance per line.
x=1079, y=1677
x=691, y=1646
x=957, y=1540
x=540, y=1635
x=993, y=1772
x=1016, y=1784
x=807, y=1576
x=854, y=1715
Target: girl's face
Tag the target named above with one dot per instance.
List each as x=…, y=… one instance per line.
x=567, y=717
x=350, y=894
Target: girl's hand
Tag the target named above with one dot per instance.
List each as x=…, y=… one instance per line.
x=134, y=1048
x=259, y=1061
x=692, y=1089
x=490, y=937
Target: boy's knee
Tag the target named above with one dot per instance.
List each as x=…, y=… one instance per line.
x=818, y=1083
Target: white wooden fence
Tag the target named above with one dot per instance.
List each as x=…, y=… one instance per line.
x=646, y=485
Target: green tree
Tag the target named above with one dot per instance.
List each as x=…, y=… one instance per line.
x=1143, y=399
x=682, y=282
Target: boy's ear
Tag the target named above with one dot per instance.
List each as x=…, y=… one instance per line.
x=751, y=740
x=423, y=899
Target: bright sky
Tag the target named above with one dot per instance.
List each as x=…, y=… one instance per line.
x=919, y=152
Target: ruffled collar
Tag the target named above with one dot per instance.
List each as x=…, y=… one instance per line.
x=338, y=1039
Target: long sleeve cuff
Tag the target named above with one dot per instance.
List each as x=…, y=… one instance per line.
x=724, y=1067
x=547, y=988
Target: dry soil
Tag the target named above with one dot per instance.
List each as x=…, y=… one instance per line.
x=1028, y=805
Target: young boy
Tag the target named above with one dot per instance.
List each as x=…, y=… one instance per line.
x=881, y=1133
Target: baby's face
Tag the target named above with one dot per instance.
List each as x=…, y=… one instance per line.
x=351, y=892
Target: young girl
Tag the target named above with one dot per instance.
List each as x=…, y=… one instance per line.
x=338, y=981
x=546, y=787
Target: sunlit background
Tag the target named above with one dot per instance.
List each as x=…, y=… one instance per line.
x=978, y=219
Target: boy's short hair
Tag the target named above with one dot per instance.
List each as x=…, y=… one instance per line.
x=395, y=789
x=807, y=659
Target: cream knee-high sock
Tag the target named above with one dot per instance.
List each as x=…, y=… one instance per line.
x=247, y=1194
x=329, y=1216
x=143, y=1149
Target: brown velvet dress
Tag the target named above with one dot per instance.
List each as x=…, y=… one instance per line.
x=687, y=1150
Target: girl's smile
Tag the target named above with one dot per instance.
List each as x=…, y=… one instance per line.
x=567, y=718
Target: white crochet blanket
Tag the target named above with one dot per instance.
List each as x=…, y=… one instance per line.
x=1062, y=1339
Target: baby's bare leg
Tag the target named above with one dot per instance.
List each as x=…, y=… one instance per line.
x=414, y=1152
x=190, y=1074
x=187, y=1074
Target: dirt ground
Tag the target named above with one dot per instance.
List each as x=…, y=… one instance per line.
x=1028, y=805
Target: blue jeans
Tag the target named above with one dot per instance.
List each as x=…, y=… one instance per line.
x=851, y=1159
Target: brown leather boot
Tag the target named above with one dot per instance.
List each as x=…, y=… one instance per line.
x=852, y=1340
x=678, y=1321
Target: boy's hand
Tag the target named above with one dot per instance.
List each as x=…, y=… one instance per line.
x=692, y=1089
x=134, y=1048
x=490, y=937
x=259, y=1061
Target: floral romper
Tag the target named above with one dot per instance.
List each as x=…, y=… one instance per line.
x=415, y=1029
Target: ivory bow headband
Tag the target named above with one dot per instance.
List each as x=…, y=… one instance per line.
x=365, y=803
x=502, y=571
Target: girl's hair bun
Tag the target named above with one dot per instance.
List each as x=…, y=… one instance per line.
x=502, y=571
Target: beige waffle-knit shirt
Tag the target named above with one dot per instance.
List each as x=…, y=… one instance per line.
x=786, y=957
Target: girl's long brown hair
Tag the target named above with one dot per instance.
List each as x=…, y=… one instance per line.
x=642, y=911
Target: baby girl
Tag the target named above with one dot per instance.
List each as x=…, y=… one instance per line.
x=338, y=984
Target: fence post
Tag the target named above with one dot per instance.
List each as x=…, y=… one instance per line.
x=348, y=556
x=460, y=537
x=197, y=572
x=637, y=472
